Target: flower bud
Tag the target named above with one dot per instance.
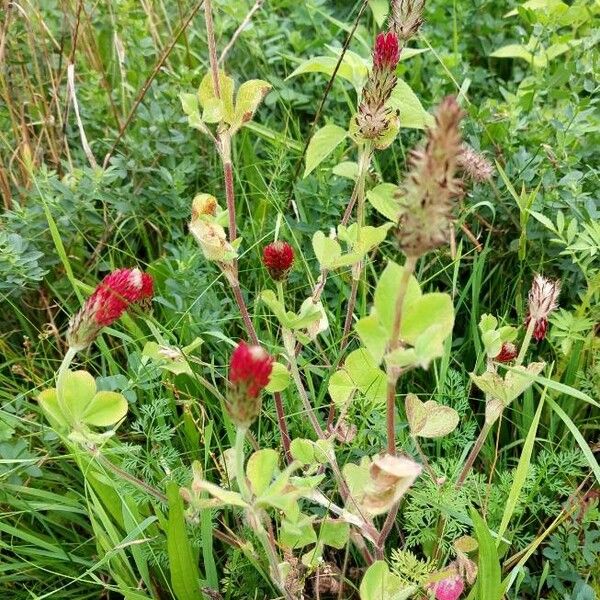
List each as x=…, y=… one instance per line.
x=113, y=296
x=278, y=259
x=507, y=353
x=543, y=299
x=249, y=371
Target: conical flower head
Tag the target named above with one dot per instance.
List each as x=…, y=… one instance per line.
x=278, y=259
x=431, y=186
x=113, y=296
x=249, y=372
x=543, y=299
x=374, y=117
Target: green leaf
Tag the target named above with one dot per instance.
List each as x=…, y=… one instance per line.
x=513, y=51
x=347, y=169
x=322, y=144
x=303, y=451
x=279, y=380
x=334, y=533
x=412, y=113
x=585, y=448
x=430, y=419
x=78, y=389
x=387, y=291
x=297, y=534
x=249, y=96
x=185, y=578
x=380, y=9
x=383, y=199
x=216, y=109
x=48, y=400
x=191, y=108
x=260, y=469
x=358, y=373
x=326, y=65
x=105, y=409
x=373, y=335
x=489, y=574
x=380, y=584
x=271, y=300
x=421, y=314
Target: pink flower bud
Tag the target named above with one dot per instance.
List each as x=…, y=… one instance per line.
x=278, y=258
x=111, y=298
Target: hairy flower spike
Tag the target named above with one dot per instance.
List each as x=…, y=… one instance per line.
x=278, y=259
x=406, y=18
x=374, y=118
x=474, y=164
x=113, y=296
x=249, y=371
x=507, y=353
x=543, y=299
x=427, y=195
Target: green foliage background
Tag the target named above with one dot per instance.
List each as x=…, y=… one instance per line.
x=538, y=118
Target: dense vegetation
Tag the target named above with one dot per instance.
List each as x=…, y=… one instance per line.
x=444, y=437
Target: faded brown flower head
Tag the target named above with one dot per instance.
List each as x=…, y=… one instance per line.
x=406, y=18
x=374, y=118
x=431, y=186
x=390, y=478
x=475, y=165
x=543, y=299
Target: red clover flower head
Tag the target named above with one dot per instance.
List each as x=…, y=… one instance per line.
x=249, y=372
x=387, y=51
x=278, y=259
x=543, y=299
x=111, y=298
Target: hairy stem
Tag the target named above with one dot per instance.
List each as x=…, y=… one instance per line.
x=239, y=298
x=212, y=47
x=390, y=415
x=409, y=268
x=358, y=197
x=289, y=342
x=225, y=153
x=526, y=341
